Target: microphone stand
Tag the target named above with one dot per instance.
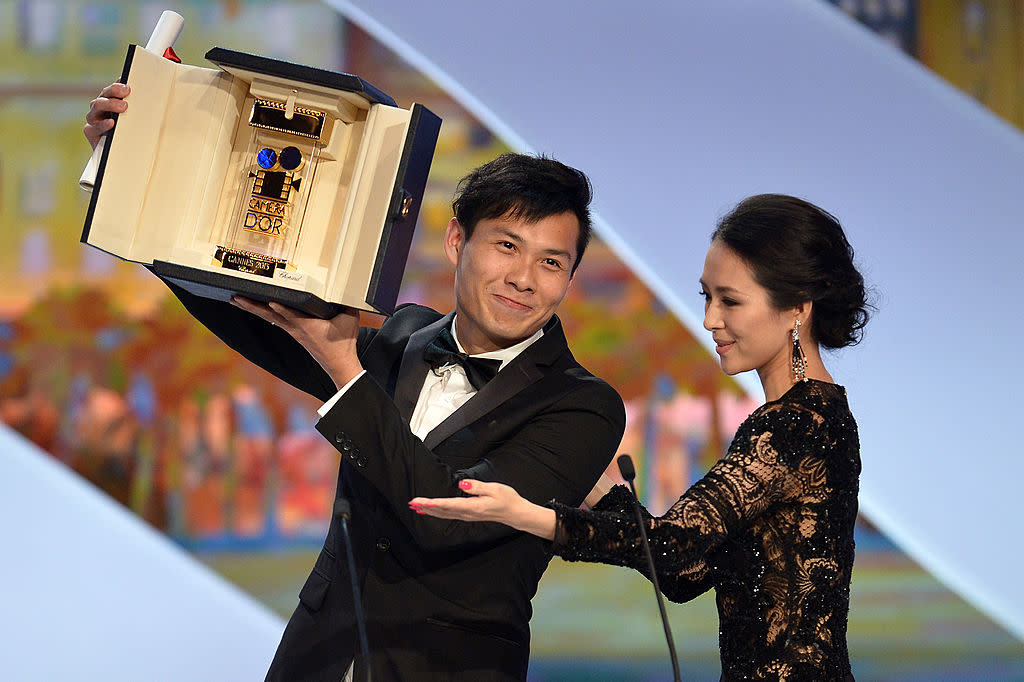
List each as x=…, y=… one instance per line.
x=628, y=472
x=343, y=510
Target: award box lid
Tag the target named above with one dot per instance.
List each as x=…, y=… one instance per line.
x=230, y=60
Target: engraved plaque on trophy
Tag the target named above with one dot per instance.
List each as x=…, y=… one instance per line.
x=263, y=178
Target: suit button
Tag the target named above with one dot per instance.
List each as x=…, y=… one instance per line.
x=361, y=462
x=383, y=544
x=340, y=438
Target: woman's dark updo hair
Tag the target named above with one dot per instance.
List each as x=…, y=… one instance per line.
x=798, y=252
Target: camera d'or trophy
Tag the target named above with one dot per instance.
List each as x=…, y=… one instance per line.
x=271, y=180
x=282, y=154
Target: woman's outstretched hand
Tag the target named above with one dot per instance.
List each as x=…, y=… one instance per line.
x=490, y=502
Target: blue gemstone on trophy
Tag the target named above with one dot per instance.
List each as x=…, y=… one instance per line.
x=291, y=158
x=266, y=158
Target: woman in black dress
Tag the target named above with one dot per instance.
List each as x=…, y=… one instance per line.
x=770, y=526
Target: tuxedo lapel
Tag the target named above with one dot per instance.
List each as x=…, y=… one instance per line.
x=513, y=378
x=414, y=368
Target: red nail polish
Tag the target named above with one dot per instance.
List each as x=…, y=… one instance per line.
x=465, y=485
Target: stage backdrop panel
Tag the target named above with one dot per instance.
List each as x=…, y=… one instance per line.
x=93, y=593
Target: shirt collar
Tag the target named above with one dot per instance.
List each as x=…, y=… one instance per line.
x=506, y=355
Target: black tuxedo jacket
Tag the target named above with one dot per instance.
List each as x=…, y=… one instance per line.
x=444, y=600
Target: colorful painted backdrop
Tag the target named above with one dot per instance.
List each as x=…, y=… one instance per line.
x=104, y=370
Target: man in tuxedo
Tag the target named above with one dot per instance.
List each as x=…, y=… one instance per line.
x=489, y=391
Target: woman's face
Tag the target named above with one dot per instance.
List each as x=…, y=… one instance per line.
x=749, y=332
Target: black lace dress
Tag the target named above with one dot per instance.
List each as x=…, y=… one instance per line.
x=770, y=527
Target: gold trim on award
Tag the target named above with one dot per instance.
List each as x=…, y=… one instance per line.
x=272, y=115
x=244, y=261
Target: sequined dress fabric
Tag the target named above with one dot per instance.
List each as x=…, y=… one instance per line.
x=770, y=528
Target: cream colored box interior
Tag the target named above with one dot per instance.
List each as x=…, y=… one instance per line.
x=172, y=176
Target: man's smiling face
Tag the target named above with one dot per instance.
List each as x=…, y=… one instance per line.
x=510, y=276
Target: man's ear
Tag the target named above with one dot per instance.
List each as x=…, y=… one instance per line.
x=454, y=239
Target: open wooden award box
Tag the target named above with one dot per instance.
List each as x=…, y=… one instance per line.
x=262, y=178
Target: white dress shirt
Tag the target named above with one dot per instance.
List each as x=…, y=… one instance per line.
x=445, y=390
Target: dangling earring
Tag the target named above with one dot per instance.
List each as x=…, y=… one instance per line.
x=799, y=359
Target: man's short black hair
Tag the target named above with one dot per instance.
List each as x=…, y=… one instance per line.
x=524, y=187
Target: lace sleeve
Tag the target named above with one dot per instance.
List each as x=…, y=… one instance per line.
x=760, y=469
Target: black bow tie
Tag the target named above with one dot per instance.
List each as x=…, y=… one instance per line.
x=442, y=351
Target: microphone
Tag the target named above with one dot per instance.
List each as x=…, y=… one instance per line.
x=343, y=512
x=628, y=472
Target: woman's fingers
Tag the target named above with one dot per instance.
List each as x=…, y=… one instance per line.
x=483, y=506
x=474, y=487
x=461, y=508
